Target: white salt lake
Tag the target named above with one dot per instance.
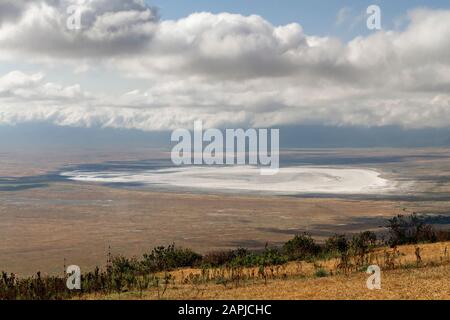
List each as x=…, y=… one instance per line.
x=289, y=180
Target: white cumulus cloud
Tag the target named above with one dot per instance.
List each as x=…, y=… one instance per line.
x=226, y=69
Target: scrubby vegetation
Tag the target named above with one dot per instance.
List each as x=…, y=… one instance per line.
x=302, y=247
x=413, y=229
x=232, y=268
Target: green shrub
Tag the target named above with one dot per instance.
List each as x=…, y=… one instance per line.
x=301, y=247
x=168, y=258
x=267, y=257
x=122, y=265
x=321, y=273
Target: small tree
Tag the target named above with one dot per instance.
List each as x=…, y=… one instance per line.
x=301, y=247
x=409, y=230
x=337, y=244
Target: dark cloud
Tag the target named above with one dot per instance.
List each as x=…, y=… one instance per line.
x=11, y=10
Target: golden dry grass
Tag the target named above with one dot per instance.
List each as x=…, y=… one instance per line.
x=408, y=280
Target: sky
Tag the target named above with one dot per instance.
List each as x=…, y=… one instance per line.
x=160, y=65
x=317, y=17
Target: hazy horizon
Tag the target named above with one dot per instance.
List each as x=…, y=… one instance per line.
x=309, y=136
x=134, y=70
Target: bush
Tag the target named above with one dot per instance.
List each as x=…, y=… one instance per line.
x=268, y=257
x=301, y=247
x=409, y=230
x=321, y=273
x=122, y=265
x=220, y=258
x=337, y=244
x=363, y=242
x=217, y=258
x=165, y=259
x=442, y=235
x=271, y=257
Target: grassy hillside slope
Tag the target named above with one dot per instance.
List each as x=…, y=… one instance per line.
x=404, y=276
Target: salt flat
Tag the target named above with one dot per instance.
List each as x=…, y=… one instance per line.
x=289, y=180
